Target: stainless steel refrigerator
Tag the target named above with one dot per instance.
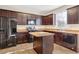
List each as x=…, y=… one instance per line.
x=6, y=29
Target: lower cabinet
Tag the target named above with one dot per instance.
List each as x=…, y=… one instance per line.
x=43, y=45
x=37, y=45
x=22, y=37
x=19, y=38
x=67, y=40
x=58, y=38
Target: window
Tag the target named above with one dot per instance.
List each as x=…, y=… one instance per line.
x=61, y=19
x=31, y=22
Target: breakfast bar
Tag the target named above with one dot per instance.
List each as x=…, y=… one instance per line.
x=43, y=42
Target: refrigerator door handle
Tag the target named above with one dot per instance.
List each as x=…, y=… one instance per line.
x=1, y=29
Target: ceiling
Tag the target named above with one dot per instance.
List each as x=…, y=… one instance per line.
x=34, y=9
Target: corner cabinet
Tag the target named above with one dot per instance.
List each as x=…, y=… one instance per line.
x=47, y=20
x=73, y=15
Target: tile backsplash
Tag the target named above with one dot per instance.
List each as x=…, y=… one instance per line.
x=69, y=26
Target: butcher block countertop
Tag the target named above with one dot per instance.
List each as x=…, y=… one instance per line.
x=40, y=34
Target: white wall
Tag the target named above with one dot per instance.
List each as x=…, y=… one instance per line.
x=65, y=7
x=38, y=21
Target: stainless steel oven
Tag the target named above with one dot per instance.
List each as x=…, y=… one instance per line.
x=70, y=41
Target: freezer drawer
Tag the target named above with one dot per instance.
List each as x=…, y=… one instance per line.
x=11, y=41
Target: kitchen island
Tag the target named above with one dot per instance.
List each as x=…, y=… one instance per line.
x=43, y=42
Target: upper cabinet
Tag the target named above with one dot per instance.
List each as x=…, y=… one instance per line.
x=47, y=20
x=12, y=14
x=21, y=19
x=4, y=13
x=7, y=13
x=31, y=17
x=33, y=20
x=73, y=15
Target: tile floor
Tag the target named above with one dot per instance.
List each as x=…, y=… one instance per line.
x=27, y=48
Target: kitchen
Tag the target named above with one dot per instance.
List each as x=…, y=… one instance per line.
x=56, y=25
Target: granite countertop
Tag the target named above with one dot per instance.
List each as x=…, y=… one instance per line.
x=22, y=30
x=40, y=34
x=55, y=30
x=64, y=31
x=71, y=30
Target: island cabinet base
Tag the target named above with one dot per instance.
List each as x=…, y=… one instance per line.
x=43, y=45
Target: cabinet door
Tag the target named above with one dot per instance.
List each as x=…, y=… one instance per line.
x=72, y=15
x=51, y=19
x=0, y=12
x=44, y=20
x=4, y=13
x=24, y=21
x=21, y=38
x=12, y=14
x=37, y=44
x=58, y=38
x=7, y=13
x=21, y=19
x=47, y=20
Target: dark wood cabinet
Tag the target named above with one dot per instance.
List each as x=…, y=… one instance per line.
x=47, y=20
x=7, y=13
x=32, y=17
x=67, y=40
x=4, y=13
x=21, y=19
x=24, y=19
x=37, y=44
x=43, y=45
x=22, y=37
x=0, y=12
x=12, y=14
x=73, y=15
x=58, y=38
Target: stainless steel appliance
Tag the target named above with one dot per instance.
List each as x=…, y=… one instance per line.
x=6, y=30
x=70, y=41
